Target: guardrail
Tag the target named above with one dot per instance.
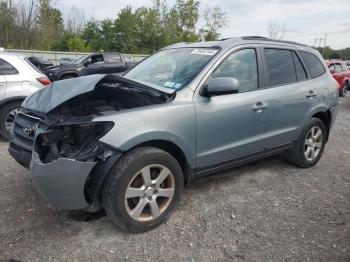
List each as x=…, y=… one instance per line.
x=55, y=57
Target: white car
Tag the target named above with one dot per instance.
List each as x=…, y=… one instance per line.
x=18, y=79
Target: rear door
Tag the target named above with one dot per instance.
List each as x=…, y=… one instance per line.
x=113, y=63
x=290, y=98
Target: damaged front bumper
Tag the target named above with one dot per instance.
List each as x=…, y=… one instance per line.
x=61, y=182
x=69, y=164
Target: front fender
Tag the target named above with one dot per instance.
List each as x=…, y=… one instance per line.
x=167, y=122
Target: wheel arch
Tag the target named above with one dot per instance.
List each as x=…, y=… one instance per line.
x=174, y=150
x=69, y=73
x=326, y=118
x=11, y=100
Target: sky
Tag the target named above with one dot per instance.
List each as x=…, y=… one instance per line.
x=305, y=20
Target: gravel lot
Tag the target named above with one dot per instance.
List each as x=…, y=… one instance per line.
x=265, y=211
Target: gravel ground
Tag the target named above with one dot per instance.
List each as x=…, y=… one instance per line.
x=265, y=211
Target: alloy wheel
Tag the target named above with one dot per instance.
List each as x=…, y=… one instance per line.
x=149, y=193
x=313, y=143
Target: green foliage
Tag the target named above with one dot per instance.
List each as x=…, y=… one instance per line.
x=144, y=30
x=329, y=53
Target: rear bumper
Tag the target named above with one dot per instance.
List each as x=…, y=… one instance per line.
x=61, y=183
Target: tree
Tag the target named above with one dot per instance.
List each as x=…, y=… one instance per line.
x=276, y=31
x=50, y=24
x=75, y=20
x=76, y=44
x=215, y=19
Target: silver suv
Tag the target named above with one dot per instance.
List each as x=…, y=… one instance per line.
x=130, y=143
x=18, y=79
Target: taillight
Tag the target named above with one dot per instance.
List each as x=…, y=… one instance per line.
x=44, y=80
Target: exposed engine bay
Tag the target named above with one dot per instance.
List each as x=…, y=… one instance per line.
x=68, y=130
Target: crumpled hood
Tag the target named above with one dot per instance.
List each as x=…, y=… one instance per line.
x=50, y=97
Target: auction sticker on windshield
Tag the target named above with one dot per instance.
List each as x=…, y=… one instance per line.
x=204, y=51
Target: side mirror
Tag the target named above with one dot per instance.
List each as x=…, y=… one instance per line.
x=332, y=71
x=221, y=86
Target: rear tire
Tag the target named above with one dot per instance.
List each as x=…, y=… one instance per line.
x=7, y=117
x=148, y=180
x=310, y=145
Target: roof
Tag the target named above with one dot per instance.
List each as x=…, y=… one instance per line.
x=229, y=42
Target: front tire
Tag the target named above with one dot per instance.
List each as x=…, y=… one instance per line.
x=143, y=189
x=310, y=145
x=8, y=114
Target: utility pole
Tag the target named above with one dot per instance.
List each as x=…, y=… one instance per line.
x=324, y=44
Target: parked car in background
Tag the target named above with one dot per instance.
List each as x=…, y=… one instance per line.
x=341, y=73
x=130, y=143
x=40, y=62
x=66, y=61
x=348, y=63
x=101, y=63
x=18, y=79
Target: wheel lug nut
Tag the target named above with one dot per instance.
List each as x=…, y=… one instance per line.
x=150, y=198
x=155, y=192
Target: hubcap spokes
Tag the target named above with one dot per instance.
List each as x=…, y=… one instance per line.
x=313, y=143
x=10, y=119
x=149, y=193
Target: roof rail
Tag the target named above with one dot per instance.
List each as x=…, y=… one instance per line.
x=255, y=37
x=269, y=39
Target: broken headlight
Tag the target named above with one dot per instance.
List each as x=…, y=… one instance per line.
x=79, y=141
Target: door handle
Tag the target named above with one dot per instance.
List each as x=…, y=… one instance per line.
x=1, y=84
x=311, y=94
x=260, y=106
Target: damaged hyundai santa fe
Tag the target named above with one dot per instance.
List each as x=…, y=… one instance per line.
x=130, y=143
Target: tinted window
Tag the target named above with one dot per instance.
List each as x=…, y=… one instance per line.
x=280, y=66
x=7, y=69
x=314, y=65
x=241, y=65
x=112, y=58
x=299, y=68
x=338, y=68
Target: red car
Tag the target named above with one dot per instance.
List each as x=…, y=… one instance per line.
x=341, y=73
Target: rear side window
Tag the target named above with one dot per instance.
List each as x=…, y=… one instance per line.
x=299, y=68
x=112, y=58
x=7, y=69
x=314, y=64
x=280, y=66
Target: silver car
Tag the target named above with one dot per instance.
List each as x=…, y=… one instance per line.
x=18, y=79
x=130, y=143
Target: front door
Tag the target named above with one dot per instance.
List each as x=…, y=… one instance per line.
x=233, y=125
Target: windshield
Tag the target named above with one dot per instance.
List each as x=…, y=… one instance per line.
x=80, y=59
x=172, y=68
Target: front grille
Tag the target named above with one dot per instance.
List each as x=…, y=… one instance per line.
x=23, y=124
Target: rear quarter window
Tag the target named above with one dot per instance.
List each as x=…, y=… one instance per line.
x=6, y=68
x=314, y=64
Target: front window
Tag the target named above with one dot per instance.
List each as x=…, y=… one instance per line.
x=80, y=59
x=172, y=68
